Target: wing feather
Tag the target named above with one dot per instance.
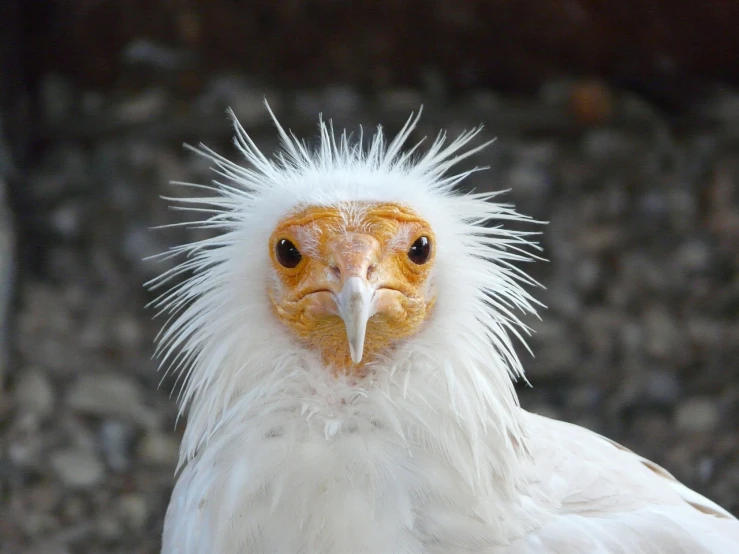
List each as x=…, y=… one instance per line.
x=601, y=497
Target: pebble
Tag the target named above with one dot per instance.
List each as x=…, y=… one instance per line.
x=159, y=448
x=400, y=100
x=34, y=393
x=67, y=170
x=66, y=220
x=109, y=527
x=554, y=349
x=134, y=511
x=242, y=96
x=585, y=397
x=116, y=439
x=145, y=106
x=140, y=245
x=111, y=395
x=694, y=255
x=57, y=97
x=77, y=468
x=545, y=410
x=662, y=387
x=662, y=331
x=155, y=55
x=697, y=415
x=530, y=177
x=588, y=274
x=603, y=144
x=48, y=548
x=343, y=100
x=7, y=272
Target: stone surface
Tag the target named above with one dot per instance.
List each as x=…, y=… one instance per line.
x=110, y=395
x=76, y=468
x=34, y=393
x=638, y=340
x=159, y=448
x=698, y=415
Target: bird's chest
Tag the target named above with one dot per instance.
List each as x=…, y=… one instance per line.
x=343, y=490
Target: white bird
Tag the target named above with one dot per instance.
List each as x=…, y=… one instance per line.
x=344, y=345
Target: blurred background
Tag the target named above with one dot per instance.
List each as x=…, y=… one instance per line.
x=616, y=121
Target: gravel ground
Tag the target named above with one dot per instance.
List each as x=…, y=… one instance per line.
x=640, y=340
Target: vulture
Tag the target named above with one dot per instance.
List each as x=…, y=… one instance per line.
x=344, y=336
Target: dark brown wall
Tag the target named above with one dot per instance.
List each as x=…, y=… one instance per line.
x=509, y=44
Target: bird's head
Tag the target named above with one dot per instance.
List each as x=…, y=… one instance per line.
x=346, y=263
x=352, y=279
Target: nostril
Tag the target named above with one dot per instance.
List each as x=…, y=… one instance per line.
x=371, y=270
x=335, y=271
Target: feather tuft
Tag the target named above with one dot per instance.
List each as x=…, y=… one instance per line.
x=446, y=393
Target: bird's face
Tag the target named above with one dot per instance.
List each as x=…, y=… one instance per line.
x=350, y=280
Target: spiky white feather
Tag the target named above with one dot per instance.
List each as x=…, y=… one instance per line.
x=241, y=371
x=430, y=452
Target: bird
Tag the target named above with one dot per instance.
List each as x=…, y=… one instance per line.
x=345, y=344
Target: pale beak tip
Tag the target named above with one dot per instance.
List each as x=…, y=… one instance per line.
x=355, y=304
x=356, y=353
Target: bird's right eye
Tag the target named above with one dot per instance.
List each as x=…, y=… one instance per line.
x=420, y=251
x=288, y=254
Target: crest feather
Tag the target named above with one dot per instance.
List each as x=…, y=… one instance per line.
x=224, y=343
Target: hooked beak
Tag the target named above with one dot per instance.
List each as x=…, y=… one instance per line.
x=353, y=256
x=356, y=304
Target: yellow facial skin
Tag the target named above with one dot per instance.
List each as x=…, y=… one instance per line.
x=353, y=258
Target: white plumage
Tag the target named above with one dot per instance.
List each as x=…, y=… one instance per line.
x=428, y=450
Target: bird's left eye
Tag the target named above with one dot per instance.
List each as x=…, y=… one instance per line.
x=288, y=254
x=420, y=251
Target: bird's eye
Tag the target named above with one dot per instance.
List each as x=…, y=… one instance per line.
x=288, y=254
x=420, y=251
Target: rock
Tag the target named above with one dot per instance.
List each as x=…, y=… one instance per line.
x=662, y=387
x=7, y=258
x=722, y=106
x=77, y=468
x=157, y=56
x=545, y=410
x=57, y=97
x=109, y=527
x=662, y=331
x=116, y=439
x=554, y=350
x=66, y=170
x=603, y=144
x=697, y=415
x=139, y=247
x=111, y=395
x=244, y=97
x=25, y=453
x=530, y=177
x=343, y=100
x=159, y=448
x=600, y=331
x=34, y=393
x=146, y=106
x=48, y=548
x=134, y=510
x=592, y=102
x=66, y=220
x=400, y=100
x=127, y=332
x=587, y=274
x=585, y=397
x=706, y=468
x=694, y=255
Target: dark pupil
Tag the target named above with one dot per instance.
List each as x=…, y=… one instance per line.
x=287, y=254
x=420, y=251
